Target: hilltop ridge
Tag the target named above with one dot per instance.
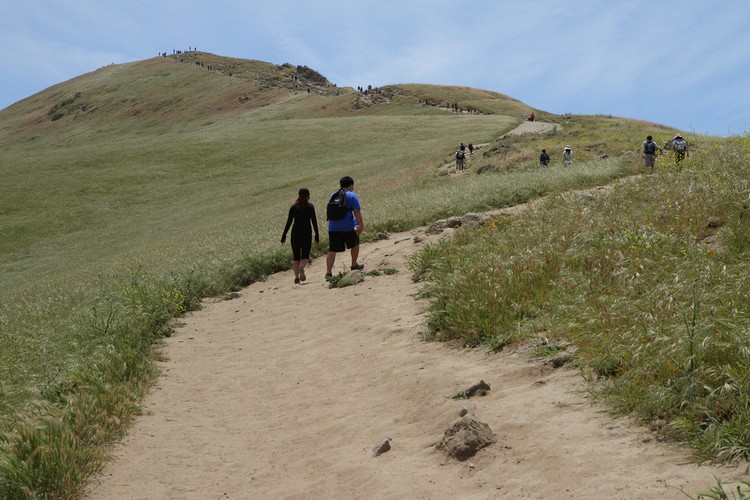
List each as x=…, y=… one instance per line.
x=164, y=90
x=191, y=89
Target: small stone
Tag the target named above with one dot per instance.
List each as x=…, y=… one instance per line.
x=438, y=226
x=561, y=359
x=480, y=387
x=382, y=447
x=465, y=436
x=454, y=222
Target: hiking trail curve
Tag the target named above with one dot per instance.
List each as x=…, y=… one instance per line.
x=284, y=391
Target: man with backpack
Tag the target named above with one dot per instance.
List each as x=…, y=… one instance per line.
x=544, y=158
x=680, y=148
x=345, y=224
x=460, y=155
x=649, y=154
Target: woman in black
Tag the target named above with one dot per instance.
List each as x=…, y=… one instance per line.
x=302, y=213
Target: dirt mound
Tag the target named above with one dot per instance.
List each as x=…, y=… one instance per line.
x=465, y=436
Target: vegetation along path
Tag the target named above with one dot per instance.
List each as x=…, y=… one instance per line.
x=285, y=391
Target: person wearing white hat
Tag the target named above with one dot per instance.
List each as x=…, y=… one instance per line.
x=567, y=156
x=680, y=148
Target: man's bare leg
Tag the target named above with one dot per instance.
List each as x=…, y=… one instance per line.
x=330, y=260
x=355, y=255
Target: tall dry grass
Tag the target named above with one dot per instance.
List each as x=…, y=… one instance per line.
x=648, y=283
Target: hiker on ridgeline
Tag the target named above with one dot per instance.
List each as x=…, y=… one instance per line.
x=544, y=158
x=649, y=154
x=460, y=156
x=302, y=213
x=567, y=156
x=680, y=148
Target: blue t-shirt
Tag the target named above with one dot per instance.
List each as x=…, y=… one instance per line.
x=349, y=221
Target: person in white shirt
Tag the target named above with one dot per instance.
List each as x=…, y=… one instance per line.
x=567, y=156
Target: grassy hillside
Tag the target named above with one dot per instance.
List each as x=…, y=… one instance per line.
x=131, y=192
x=645, y=287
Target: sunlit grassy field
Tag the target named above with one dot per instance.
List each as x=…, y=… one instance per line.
x=168, y=183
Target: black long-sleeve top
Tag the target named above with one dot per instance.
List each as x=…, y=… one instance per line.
x=303, y=217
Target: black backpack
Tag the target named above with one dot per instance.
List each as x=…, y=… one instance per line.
x=649, y=148
x=336, y=208
x=460, y=155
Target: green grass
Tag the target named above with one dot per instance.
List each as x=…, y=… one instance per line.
x=159, y=183
x=649, y=283
x=87, y=203
x=740, y=492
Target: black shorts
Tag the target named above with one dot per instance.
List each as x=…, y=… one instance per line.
x=339, y=241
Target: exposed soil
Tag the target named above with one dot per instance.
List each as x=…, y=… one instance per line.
x=534, y=127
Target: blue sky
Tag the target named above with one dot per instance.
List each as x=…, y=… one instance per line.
x=684, y=64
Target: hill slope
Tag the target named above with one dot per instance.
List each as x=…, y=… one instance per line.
x=191, y=89
x=132, y=192
x=105, y=165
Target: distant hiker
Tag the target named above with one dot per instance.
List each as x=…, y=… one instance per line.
x=544, y=158
x=680, y=148
x=345, y=224
x=462, y=147
x=302, y=213
x=471, y=149
x=531, y=117
x=567, y=156
x=460, y=156
x=649, y=153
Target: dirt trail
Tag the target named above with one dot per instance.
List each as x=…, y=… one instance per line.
x=526, y=127
x=535, y=127
x=284, y=392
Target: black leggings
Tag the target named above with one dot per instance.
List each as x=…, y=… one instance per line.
x=301, y=245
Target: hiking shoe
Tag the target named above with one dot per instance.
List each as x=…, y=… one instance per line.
x=302, y=276
x=296, y=281
x=329, y=277
x=358, y=267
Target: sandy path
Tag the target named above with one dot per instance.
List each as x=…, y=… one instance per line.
x=284, y=392
x=525, y=127
x=535, y=127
